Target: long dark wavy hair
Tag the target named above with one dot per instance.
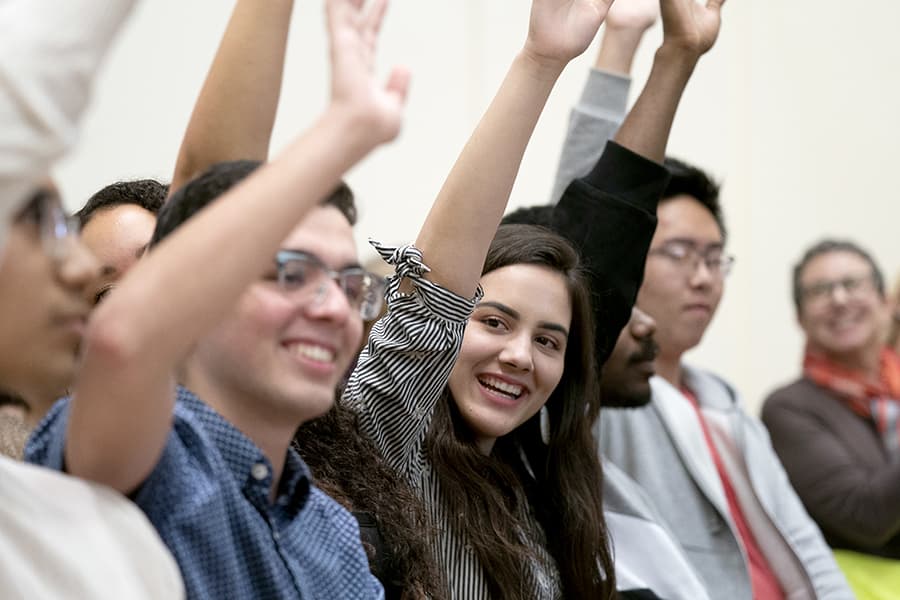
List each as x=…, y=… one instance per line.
x=347, y=466
x=561, y=482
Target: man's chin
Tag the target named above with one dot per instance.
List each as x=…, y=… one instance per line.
x=632, y=398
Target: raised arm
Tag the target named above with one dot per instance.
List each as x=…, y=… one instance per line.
x=235, y=112
x=466, y=213
x=689, y=31
x=626, y=24
x=122, y=407
x=49, y=54
x=601, y=109
x=610, y=213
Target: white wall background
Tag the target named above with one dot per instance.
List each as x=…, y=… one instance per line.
x=795, y=111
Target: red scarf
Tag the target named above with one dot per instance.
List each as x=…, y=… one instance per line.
x=876, y=400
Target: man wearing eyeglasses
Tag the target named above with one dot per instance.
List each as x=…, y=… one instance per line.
x=708, y=465
x=837, y=428
x=237, y=508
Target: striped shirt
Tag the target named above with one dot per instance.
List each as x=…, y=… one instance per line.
x=400, y=377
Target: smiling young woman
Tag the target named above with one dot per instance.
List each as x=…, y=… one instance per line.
x=527, y=346
x=512, y=520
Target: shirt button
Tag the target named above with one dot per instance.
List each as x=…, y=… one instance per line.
x=259, y=471
x=275, y=536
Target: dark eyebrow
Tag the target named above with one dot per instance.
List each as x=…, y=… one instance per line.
x=107, y=270
x=501, y=307
x=139, y=253
x=515, y=315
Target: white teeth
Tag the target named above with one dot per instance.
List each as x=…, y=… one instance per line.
x=313, y=352
x=501, y=386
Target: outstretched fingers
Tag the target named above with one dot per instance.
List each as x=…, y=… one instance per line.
x=375, y=16
x=354, y=26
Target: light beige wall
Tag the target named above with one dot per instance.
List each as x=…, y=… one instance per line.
x=795, y=111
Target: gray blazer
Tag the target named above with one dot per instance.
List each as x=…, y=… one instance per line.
x=662, y=447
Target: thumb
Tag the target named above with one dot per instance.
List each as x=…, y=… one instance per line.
x=398, y=83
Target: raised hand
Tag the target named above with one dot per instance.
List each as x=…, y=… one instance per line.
x=689, y=25
x=560, y=30
x=353, y=34
x=625, y=26
x=638, y=15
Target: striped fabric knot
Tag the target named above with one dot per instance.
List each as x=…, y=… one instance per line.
x=406, y=259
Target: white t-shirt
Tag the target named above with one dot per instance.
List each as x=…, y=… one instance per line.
x=61, y=537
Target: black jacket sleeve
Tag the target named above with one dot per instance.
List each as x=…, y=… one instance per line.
x=610, y=216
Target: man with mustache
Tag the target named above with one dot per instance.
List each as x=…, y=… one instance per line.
x=634, y=523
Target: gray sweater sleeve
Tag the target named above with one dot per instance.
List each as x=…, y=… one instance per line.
x=595, y=119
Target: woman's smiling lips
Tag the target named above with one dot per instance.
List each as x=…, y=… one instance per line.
x=501, y=388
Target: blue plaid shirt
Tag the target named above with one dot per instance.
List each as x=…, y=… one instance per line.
x=208, y=497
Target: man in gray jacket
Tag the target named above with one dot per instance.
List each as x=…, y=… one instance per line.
x=707, y=465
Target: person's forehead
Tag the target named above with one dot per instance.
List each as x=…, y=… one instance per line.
x=835, y=264
x=535, y=292
x=684, y=217
x=122, y=221
x=326, y=233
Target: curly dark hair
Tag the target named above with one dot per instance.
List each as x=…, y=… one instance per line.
x=562, y=481
x=149, y=194
x=347, y=466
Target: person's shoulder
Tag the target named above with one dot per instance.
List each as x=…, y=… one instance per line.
x=59, y=492
x=44, y=445
x=694, y=372
x=712, y=390
x=792, y=395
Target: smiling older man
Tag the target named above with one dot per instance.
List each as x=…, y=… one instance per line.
x=837, y=428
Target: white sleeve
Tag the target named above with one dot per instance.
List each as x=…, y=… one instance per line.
x=49, y=53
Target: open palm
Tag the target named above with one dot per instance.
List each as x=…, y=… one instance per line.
x=353, y=38
x=560, y=30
